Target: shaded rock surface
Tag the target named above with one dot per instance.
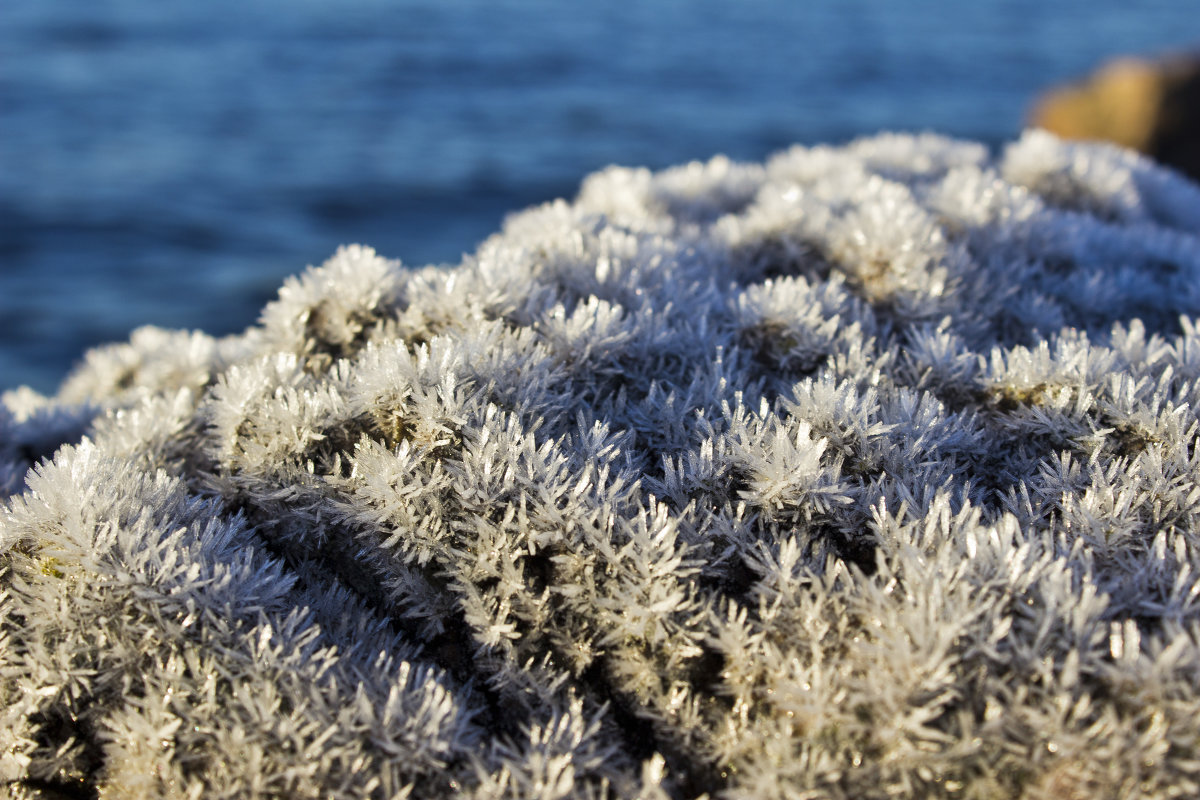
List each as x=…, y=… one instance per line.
x=1149, y=105
x=865, y=472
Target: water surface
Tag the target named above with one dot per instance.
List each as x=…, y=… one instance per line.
x=170, y=163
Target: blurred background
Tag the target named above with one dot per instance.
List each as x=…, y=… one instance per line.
x=170, y=163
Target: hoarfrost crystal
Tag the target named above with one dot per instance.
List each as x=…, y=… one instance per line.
x=866, y=472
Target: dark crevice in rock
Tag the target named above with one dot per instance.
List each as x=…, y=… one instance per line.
x=54, y=727
x=538, y=569
x=704, y=673
x=452, y=650
x=853, y=547
x=689, y=775
x=734, y=579
x=59, y=790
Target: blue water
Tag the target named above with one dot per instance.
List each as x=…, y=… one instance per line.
x=169, y=163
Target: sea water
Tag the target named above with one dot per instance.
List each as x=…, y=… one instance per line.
x=169, y=163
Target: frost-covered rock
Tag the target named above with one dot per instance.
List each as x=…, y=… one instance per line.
x=866, y=472
x=1150, y=105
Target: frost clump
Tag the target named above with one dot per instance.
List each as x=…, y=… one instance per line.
x=866, y=472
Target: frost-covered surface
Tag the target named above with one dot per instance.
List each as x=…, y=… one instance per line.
x=868, y=472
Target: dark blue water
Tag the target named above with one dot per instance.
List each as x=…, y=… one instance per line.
x=169, y=163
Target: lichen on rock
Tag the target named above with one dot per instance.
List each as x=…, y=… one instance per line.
x=870, y=471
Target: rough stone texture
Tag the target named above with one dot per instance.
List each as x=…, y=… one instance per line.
x=867, y=472
x=1149, y=105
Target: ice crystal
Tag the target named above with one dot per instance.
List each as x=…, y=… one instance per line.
x=867, y=472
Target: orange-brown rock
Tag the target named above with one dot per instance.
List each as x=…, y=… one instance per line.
x=1149, y=105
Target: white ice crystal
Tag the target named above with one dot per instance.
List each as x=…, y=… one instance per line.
x=867, y=472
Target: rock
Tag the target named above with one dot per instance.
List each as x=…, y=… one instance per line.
x=869, y=471
x=1152, y=106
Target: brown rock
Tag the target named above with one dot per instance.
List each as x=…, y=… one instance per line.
x=1151, y=106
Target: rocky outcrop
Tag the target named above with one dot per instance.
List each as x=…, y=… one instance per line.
x=1149, y=105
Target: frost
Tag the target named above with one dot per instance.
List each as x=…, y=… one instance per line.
x=866, y=472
